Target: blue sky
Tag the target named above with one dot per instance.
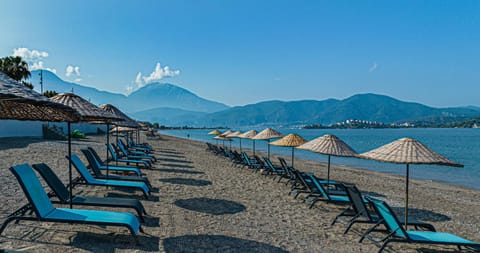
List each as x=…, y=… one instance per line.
x=241, y=52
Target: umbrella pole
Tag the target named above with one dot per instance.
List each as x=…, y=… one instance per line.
x=253, y=147
x=230, y=144
x=406, y=197
x=293, y=157
x=116, y=139
x=70, y=164
x=268, y=144
x=328, y=173
x=240, y=140
x=108, y=141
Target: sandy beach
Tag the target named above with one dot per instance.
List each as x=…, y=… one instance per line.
x=203, y=203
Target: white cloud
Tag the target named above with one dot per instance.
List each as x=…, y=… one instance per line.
x=28, y=54
x=34, y=58
x=373, y=67
x=158, y=74
x=72, y=70
x=129, y=89
x=39, y=65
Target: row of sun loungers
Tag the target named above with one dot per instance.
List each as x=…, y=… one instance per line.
x=132, y=158
x=360, y=209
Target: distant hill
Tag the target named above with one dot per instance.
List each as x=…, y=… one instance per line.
x=370, y=107
x=169, y=116
x=171, y=105
x=156, y=95
x=150, y=96
x=53, y=82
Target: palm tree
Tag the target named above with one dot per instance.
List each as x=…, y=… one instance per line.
x=15, y=67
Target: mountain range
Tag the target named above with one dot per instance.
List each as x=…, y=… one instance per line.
x=151, y=96
x=171, y=105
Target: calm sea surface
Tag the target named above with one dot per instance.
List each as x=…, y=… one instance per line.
x=459, y=145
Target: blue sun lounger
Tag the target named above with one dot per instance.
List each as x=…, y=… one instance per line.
x=97, y=173
x=90, y=180
x=398, y=234
x=127, y=161
x=63, y=195
x=45, y=211
x=102, y=166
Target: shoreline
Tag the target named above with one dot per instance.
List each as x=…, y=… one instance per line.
x=203, y=203
x=343, y=166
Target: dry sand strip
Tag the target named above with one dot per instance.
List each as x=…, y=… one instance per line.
x=205, y=204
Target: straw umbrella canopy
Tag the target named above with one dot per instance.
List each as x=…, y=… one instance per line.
x=249, y=135
x=268, y=134
x=291, y=140
x=122, y=129
x=222, y=138
x=88, y=112
x=22, y=103
x=329, y=145
x=215, y=132
x=127, y=121
x=226, y=133
x=407, y=151
x=236, y=135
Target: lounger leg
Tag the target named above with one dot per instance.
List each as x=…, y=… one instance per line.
x=4, y=225
x=313, y=203
x=350, y=224
x=370, y=230
x=383, y=246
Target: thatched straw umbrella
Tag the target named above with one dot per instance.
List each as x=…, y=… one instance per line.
x=89, y=113
x=268, y=134
x=214, y=132
x=291, y=140
x=222, y=138
x=122, y=129
x=236, y=135
x=127, y=122
x=22, y=103
x=224, y=134
x=407, y=151
x=329, y=145
x=249, y=135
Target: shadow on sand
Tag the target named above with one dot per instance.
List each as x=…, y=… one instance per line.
x=210, y=206
x=110, y=242
x=420, y=214
x=177, y=165
x=193, y=172
x=171, y=160
x=185, y=181
x=216, y=243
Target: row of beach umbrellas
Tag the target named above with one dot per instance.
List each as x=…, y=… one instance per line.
x=402, y=151
x=18, y=102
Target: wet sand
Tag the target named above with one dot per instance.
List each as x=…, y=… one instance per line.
x=203, y=203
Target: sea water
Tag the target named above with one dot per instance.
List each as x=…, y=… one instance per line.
x=461, y=145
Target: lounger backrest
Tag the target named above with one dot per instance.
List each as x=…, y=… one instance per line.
x=112, y=151
x=96, y=156
x=269, y=163
x=355, y=197
x=33, y=189
x=319, y=186
x=92, y=162
x=53, y=181
x=121, y=147
x=389, y=217
x=82, y=170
